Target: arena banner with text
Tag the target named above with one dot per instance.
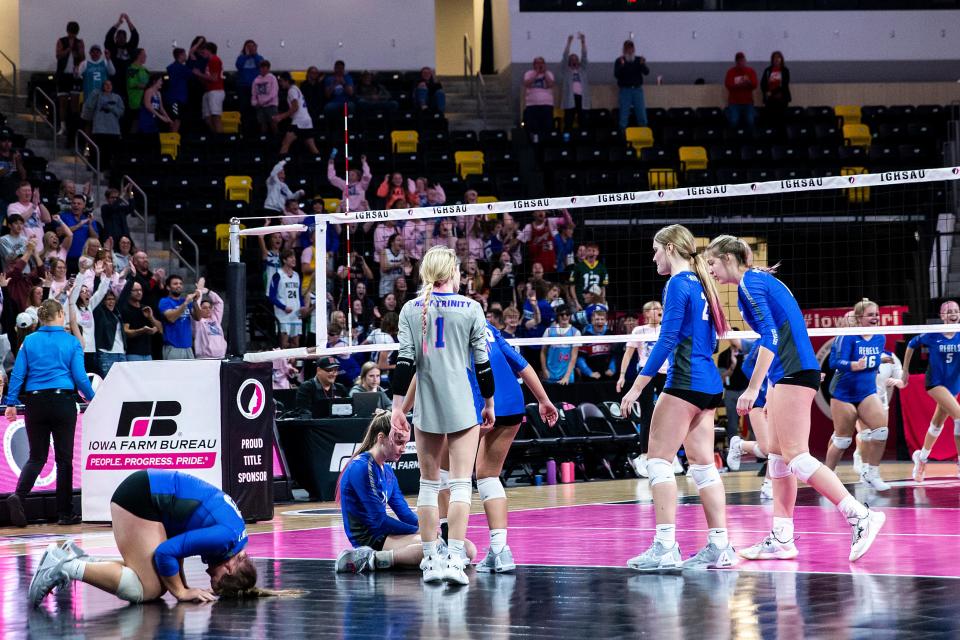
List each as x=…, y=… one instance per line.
x=150, y=415
x=16, y=450
x=246, y=407
x=821, y=427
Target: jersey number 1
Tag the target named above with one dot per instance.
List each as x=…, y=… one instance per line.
x=439, y=343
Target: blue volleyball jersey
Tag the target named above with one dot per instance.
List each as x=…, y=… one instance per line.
x=366, y=489
x=748, y=366
x=507, y=364
x=199, y=519
x=943, y=369
x=687, y=338
x=771, y=310
x=853, y=386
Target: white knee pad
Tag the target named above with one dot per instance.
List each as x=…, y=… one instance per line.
x=130, y=588
x=429, y=490
x=444, y=480
x=705, y=475
x=875, y=435
x=956, y=428
x=841, y=442
x=934, y=430
x=490, y=489
x=804, y=466
x=777, y=466
x=461, y=490
x=660, y=470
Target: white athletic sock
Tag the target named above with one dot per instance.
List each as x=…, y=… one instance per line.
x=852, y=509
x=864, y=469
x=443, y=521
x=383, y=559
x=782, y=529
x=498, y=540
x=75, y=568
x=757, y=451
x=924, y=454
x=666, y=535
x=429, y=549
x=456, y=547
x=718, y=537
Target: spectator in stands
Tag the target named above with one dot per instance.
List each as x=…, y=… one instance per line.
x=593, y=301
x=538, y=101
x=536, y=276
x=369, y=382
x=558, y=362
x=356, y=191
x=177, y=88
x=60, y=285
x=287, y=298
x=12, y=170
x=84, y=300
x=195, y=86
x=323, y=386
x=388, y=304
x=401, y=289
x=586, y=273
x=392, y=263
x=123, y=255
x=265, y=98
x=139, y=323
x=313, y=93
x=14, y=244
x=68, y=189
x=495, y=316
x=503, y=282
x=278, y=193
x=428, y=92
x=349, y=367
x=775, y=88
x=104, y=110
x=462, y=250
x=122, y=51
x=208, y=335
x=153, y=282
x=137, y=79
x=394, y=189
x=53, y=247
x=509, y=238
x=472, y=284
x=21, y=281
x=175, y=312
x=292, y=214
x=740, y=81
x=575, y=98
x=213, y=95
x=83, y=226
x=301, y=125
x=70, y=54
x=114, y=214
x=109, y=337
x=386, y=361
x=539, y=234
x=338, y=89
x=32, y=212
x=629, y=70
x=248, y=68
x=565, y=247
x=373, y=97
x=283, y=372
x=444, y=236
x=511, y=323
x=735, y=382
x=538, y=313
x=94, y=71
x=596, y=359
x=429, y=193
x=152, y=112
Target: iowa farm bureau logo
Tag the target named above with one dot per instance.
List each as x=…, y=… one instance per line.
x=148, y=419
x=251, y=399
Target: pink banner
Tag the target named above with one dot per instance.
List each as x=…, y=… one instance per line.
x=16, y=450
x=128, y=461
x=918, y=408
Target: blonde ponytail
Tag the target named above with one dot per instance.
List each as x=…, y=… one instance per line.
x=713, y=295
x=683, y=241
x=439, y=265
x=739, y=249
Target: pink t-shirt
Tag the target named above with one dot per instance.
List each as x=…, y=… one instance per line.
x=538, y=94
x=32, y=225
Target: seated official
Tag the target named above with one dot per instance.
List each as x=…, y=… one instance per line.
x=323, y=386
x=369, y=382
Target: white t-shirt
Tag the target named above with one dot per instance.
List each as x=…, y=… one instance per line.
x=288, y=292
x=648, y=338
x=300, y=119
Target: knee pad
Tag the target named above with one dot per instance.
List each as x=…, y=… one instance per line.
x=934, y=430
x=490, y=489
x=804, y=466
x=841, y=442
x=705, y=475
x=956, y=428
x=429, y=490
x=444, y=480
x=875, y=435
x=777, y=467
x=461, y=490
x=660, y=470
x=130, y=588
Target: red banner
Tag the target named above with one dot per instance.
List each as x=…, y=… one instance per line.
x=918, y=408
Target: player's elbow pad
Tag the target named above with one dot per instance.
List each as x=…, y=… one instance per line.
x=485, y=380
x=401, y=376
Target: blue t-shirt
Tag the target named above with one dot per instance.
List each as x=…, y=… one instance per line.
x=687, y=339
x=366, y=489
x=943, y=369
x=564, y=248
x=752, y=347
x=81, y=235
x=94, y=75
x=339, y=95
x=547, y=316
x=175, y=87
x=558, y=355
x=507, y=364
x=199, y=519
x=248, y=68
x=771, y=310
x=177, y=334
x=849, y=385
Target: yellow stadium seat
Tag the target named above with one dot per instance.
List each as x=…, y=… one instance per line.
x=231, y=121
x=404, y=141
x=238, y=188
x=469, y=163
x=170, y=144
x=662, y=179
x=848, y=113
x=693, y=158
x=223, y=237
x=298, y=76
x=486, y=199
x=856, y=195
x=639, y=138
x=856, y=135
x=331, y=205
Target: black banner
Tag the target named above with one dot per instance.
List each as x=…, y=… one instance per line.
x=246, y=414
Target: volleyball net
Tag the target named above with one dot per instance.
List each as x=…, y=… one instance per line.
x=885, y=236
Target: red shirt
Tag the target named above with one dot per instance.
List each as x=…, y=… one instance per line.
x=741, y=82
x=215, y=69
x=541, y=247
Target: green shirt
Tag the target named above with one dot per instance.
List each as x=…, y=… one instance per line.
x=583, y=276
x=137, y=78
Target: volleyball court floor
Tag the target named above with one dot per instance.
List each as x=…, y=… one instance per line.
x=572, y=542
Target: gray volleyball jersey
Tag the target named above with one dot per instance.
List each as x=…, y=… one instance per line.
x=456, y=337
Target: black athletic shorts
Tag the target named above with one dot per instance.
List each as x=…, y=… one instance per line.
x=366, y=540
x=302, y=134
x=134, y=495
x=805, y=378
x=68, y=84
x=699, y=399
x=511, y=420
